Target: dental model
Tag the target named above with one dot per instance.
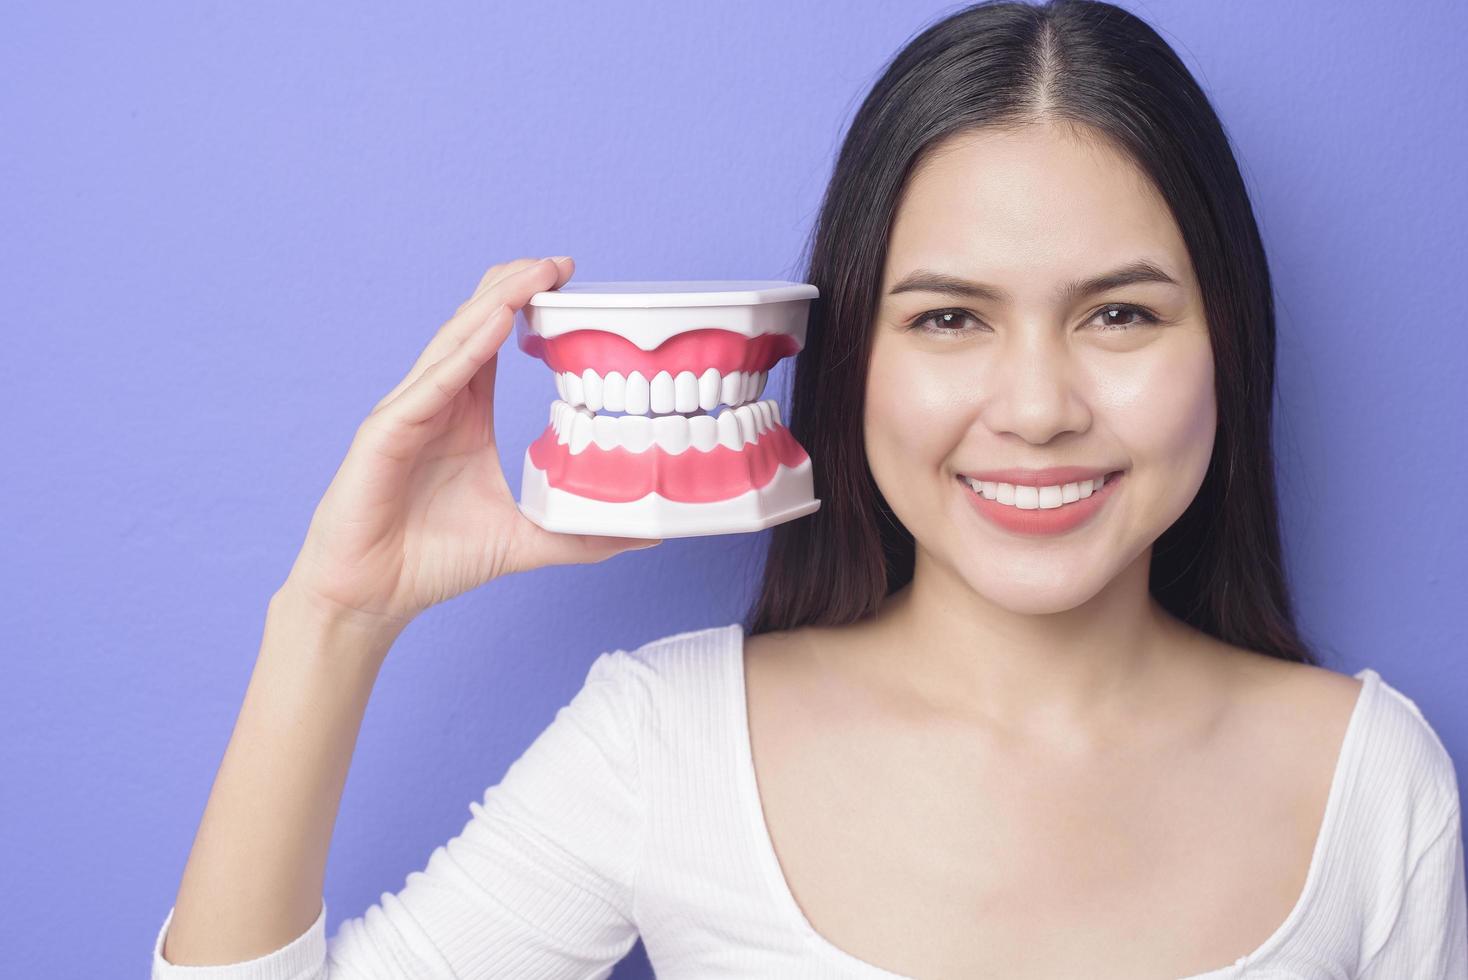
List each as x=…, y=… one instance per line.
x=634, y=447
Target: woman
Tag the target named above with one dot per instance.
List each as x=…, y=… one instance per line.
x=950, y=745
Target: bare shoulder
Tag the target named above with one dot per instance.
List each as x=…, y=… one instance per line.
x=1310, y=705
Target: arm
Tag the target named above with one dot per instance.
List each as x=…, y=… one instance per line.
x=539, y=883
x=253, y=879
x=1429, y=939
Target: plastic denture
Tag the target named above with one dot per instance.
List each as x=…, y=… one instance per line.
x=659, y=430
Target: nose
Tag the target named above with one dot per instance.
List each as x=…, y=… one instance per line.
x=1034, y=388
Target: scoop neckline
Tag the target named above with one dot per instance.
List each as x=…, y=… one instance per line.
x=779, y=887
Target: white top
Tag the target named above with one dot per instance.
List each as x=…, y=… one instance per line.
x=635, y=812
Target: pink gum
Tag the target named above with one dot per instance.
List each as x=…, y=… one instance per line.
x=692, y=476
x=693, y=350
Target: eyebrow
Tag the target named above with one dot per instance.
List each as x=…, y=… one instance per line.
x=924, y=281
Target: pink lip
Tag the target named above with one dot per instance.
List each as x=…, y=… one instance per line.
x=1054, y=476
x=1041, y=521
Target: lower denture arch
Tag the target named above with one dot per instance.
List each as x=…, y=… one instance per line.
x=693, y=476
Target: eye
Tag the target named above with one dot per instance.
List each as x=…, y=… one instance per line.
x=942, y=322
x=1110, y=323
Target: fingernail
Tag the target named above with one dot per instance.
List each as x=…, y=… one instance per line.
x=560, y=258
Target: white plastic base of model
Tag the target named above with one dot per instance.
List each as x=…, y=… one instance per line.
x=790, y=494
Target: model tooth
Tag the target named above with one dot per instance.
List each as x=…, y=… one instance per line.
x=604, y=431
x=563, y=423
x=759, y=387
x=634, y=432
x=560, y=385
x=748, y=427
x=574, y=392
x=661, y=396
x=730, y=385
x=685, y=392
x=613, y=392
x=728, y=427
x=708, y=390
x=580, y=432
x=775, y=413
x=766, y=419
x=750, y=380
x=703, y=432
x=757, y=413
x=591, y=388
x=670, y=432
x=637, y=394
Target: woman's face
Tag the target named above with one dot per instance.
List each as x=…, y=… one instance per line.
x=1026, y=374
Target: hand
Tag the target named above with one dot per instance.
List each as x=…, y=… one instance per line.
x=419, y=510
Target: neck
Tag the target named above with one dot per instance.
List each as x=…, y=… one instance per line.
x=1083, y=668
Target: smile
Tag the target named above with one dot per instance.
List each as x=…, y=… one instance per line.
x=1045, y=510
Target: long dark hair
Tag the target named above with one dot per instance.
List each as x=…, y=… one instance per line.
x=1001, y=64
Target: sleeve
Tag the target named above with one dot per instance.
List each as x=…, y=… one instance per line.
x=1429, y=939
x=538, y=884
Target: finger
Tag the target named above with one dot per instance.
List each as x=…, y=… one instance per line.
x=558, y=548
x=494, y=275
x=398, y=426
x=514, y=289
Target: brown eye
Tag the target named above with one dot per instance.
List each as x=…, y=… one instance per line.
x=943, y=321
x=1122, y=316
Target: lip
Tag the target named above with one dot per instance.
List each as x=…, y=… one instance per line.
x=1042, y=521
x=1053, y=476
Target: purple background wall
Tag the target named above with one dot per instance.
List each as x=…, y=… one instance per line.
x=227, y=230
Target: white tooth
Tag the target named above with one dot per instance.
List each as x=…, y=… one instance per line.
x=731, y=383
x=1004, y=493
x=613, y=392
x=563, y=423
x=1026, y=498
x=748, y=427
x=604, y=431
x=574, y=393
x=708, y=389
x=762, y=416
x=560, y=385
x=1050, y=497
x=1087, y=488
x=991, y=489
x=775, y=412
x=685, y=392
x=636, y=393
x=750, y=380
x=1100, y=481
x=728, y=426
x=662, y=392
x=759, y=387
x=634, y=432
x=1070, y=493
x=703, y=432
x=670, y=432
x=580, y=432
x=591, y=388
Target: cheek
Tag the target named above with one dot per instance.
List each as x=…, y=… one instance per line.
x=914, y=411
x=1164, y=408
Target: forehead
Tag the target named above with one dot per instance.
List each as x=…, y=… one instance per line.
x=1046, y=200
